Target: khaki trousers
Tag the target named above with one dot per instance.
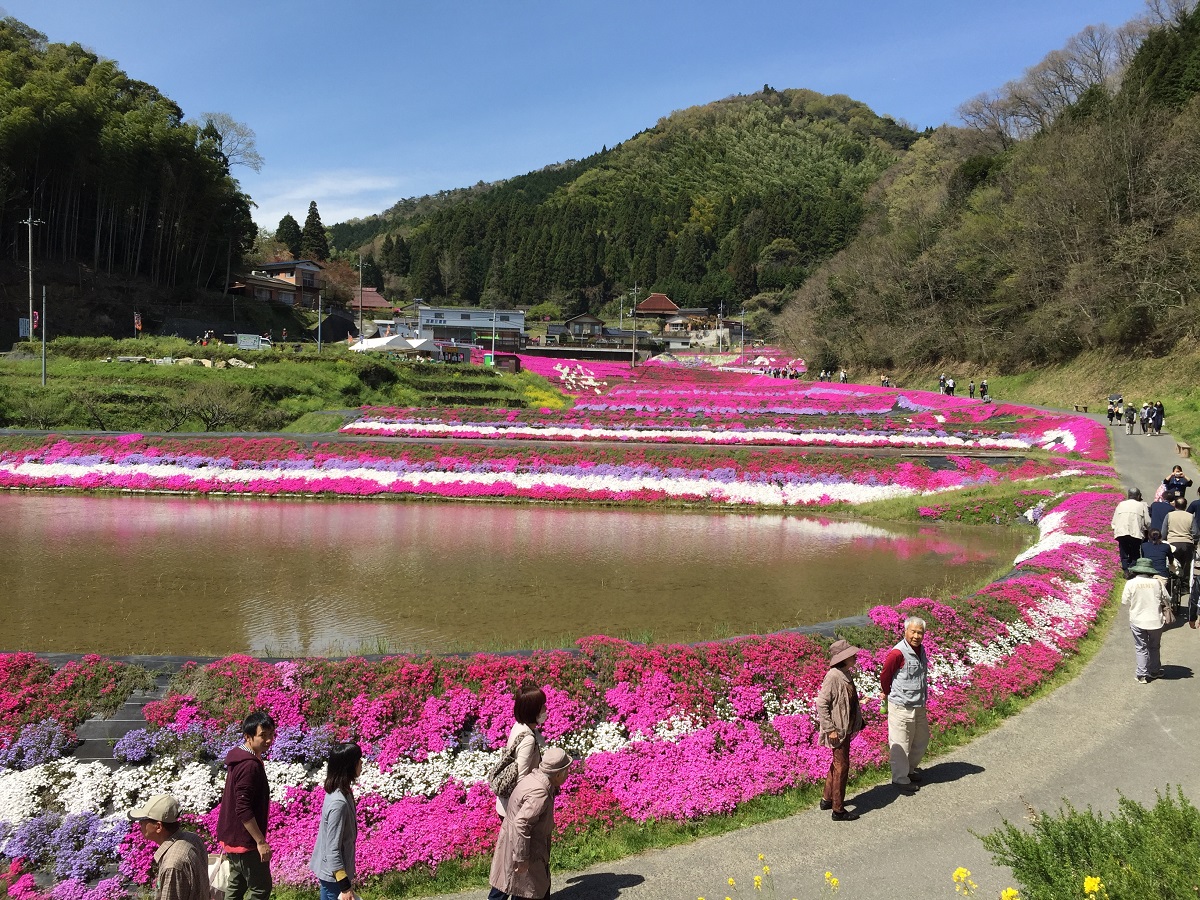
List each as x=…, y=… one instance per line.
x=908, y=736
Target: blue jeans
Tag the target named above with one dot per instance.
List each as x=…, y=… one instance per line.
x=329, y=890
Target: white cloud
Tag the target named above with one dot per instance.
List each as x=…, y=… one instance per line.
x=341, y=194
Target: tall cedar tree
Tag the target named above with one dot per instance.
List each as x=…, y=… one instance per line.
x=289, y=235
x=313, y=243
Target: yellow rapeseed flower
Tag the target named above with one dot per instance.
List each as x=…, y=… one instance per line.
x=731, y=882
x=1006, y=894
x=766, y=870
x=1092, y=885
x=832, y=883
x=761, y=857
x=758, y=882
x=962, y=882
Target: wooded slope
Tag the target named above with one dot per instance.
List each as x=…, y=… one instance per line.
x=984, y=245
x=711, y=205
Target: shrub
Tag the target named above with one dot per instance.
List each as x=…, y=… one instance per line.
x=1136, y=853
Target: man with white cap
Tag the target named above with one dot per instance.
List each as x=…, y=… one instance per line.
x=181, y=857
x=521, y=863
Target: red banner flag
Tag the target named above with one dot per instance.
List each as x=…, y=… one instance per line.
x=137, y=321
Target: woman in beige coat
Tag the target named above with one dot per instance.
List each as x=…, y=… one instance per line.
x=521, y=863
x=840, y=721
x=529, y=709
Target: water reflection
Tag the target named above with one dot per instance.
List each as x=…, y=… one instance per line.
x=200, y=576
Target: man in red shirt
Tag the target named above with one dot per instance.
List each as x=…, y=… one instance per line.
x=245, y=803
x=905, y=683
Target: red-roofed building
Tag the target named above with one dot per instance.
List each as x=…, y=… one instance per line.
x=370, y=299
x=657, y=305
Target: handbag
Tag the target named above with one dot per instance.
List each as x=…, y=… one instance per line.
x=218, y=877
x=502, y=776
x=1168, y=615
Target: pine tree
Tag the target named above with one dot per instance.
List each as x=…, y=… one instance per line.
x=289, y=235
x=313, y=243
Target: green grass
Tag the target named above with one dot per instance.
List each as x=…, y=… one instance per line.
x=84, y=391
x=316, y=423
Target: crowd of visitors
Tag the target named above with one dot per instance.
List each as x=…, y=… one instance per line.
x=1151, y=416
x=947, y=386
x=1157, y=547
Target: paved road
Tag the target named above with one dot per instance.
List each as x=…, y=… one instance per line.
x=1097, y=736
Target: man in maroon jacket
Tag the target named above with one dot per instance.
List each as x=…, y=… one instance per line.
x=242, y=821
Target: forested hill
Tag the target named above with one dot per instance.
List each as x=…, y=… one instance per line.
x=1065, y=218
x=115, y=177
x=713, y=204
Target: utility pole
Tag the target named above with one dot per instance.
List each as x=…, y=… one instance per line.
x=319, y=293
x=43, y=335
x=30, y=222
x=633, y=316
x=743, y=360
x=361, y=333
x=493, y=335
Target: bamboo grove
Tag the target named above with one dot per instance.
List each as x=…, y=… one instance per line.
x=116, y=176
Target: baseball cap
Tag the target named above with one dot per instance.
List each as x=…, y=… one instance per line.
x=159, y=808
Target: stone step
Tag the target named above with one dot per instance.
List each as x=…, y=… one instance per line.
x=108, y=729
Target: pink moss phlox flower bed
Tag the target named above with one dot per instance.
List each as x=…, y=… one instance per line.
x=664, y=731
x=734, y=408
x=275, y=467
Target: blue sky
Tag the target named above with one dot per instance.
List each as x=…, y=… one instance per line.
x=359, y=104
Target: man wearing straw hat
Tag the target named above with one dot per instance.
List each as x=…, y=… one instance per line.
x=841, y=720
x=521, y=862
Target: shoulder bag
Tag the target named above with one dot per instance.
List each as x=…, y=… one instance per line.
x=502, y=776
x=218, y=877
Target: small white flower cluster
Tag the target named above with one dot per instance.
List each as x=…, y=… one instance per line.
x=406, y=778
x=580, y=379
x=677, y=727
x=70, y=786
x=21, y=793
x=281, y=776
x=607, y=737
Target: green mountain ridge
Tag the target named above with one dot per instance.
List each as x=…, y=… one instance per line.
x=711, y=205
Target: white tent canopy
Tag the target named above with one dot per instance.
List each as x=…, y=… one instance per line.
x=396, y=342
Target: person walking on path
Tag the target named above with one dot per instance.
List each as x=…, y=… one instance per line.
x=337, y=836
x=521, y=861
x=1158, y=417
x=1130, y=418
x=971, y=388
x=840, y=720
x=1181, y=532
x=1146, y=597
x=1160, y=509
x=529, y=709
x=905, y=683
x=1144, y=418
x=1130, y=525
x=1159, y=554
x=245, y=806
x=181, y=858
